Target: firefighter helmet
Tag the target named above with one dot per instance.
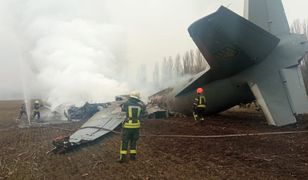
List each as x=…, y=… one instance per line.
x=199, y=90
x=135, y=95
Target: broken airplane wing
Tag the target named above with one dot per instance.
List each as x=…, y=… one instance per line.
x=100, y=124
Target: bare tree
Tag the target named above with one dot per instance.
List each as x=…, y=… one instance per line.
x=178, y=68
x=300, y=27
x=186, y=63
x=296, y=26
x=164, y=71
x=156, y=75
x=200, y=63
x=142, y=74
x=170, y=67
x=192, y=62
x=305, y=28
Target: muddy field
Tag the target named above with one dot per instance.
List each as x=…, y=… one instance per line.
x=23, y=151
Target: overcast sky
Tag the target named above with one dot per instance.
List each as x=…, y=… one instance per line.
x=148, y=31
x=163, y=30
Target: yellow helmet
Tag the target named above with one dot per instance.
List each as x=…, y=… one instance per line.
x=134, y=94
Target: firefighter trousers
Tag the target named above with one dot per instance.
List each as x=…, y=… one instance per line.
x=130, y=137
x=200, y=111
x=38, y=114
x=22, y=113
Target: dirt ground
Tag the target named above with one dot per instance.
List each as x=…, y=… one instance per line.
x=23, y=151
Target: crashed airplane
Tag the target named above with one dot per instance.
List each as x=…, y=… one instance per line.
x=256, y=58
x=100, y=124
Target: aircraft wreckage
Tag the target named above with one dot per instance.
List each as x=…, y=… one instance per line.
x=256, y=58
x=101, y=123
x=104, y=120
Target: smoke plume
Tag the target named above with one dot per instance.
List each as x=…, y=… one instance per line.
x=73, y=55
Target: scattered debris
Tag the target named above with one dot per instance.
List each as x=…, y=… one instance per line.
x=156, y=112
x=86, y=111
x=84, y=175
x=99, y=124
x=61, y=144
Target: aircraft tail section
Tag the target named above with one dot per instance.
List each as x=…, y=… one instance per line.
x=230, y=44
x=267, y=14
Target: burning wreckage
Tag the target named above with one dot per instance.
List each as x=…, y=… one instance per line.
x=101, y=123
x=102, y=119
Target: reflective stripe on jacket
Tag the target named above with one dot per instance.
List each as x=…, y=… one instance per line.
x=201, y=102
x=132, y=120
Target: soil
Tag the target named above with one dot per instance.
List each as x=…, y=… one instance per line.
x=23, y=151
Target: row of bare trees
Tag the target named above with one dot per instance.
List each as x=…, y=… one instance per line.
x=191, y=62
x=300, y=27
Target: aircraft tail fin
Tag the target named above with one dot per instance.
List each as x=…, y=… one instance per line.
x=267, y=14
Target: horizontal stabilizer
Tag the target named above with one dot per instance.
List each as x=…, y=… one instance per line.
x=199, y=80
x=230, y=44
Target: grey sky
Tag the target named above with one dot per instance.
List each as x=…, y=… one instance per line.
x=165, y=32
x=151, y=29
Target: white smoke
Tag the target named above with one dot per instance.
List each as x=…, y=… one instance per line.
x=81, y=50
x=73, y=57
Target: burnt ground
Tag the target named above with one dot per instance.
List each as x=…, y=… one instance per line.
x=23, y=151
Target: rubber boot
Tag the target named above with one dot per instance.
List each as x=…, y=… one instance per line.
x=122, y=159
x=202, y=123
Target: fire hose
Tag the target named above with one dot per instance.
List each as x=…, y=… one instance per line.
x=199, y=136
x=62, y=144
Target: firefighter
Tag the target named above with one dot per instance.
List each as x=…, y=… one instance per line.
x=36, y=110
x=22, y=111
x=134, y=108
x=199, y=106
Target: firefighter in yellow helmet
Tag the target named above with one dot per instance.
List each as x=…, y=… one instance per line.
x=199, y=106
x=134, y=108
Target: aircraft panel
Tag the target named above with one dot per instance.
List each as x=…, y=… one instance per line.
x=100, y=124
